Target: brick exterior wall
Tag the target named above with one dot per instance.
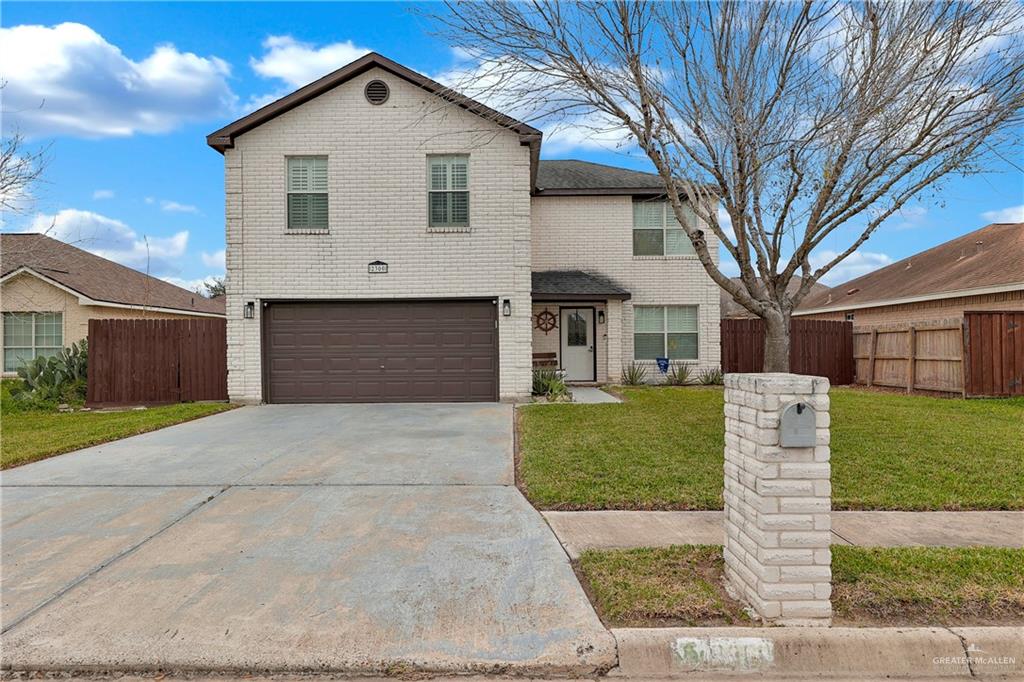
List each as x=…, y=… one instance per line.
x=377, y=175
x=595, y=234
x=777, y=500
x=29, y=294
x=926, y=311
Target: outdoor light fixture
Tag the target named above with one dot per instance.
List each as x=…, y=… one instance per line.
x=600, y=317
x=506, y=308
x=250, y=310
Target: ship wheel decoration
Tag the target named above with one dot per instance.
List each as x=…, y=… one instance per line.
x=545, y=321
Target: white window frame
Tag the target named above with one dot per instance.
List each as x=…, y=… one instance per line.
x=33, y=348
x=307, y=191
x=449, y=190
x=665, y=332
x=668, y=224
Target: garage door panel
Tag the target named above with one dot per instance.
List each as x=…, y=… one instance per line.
x=334, y=351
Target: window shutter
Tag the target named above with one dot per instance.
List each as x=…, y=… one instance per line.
x=298, y=175
x=438, y=174
x=460, y=173
x=318, y=174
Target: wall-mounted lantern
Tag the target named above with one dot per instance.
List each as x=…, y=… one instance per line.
x=249, y=312
x=506, y=308
x=600, y=317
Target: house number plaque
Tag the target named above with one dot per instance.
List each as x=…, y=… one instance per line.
x=377, y=267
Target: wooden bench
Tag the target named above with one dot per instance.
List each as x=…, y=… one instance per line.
x=541, y=360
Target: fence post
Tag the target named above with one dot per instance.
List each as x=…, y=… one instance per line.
x=778, y=496
x=911, y=357
x=871, y=357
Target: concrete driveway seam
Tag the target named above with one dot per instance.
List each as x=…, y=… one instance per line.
x=116, y=557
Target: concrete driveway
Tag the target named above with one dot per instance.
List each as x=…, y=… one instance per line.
x=361, y=538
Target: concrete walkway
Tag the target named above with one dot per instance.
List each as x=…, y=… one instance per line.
x=579, y=531
x=329, y=538
x=587, y=395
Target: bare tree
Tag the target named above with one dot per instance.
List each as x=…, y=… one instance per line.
x=20, y=168
x=796, y=118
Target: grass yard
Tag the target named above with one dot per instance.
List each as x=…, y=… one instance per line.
x=683, y=586
x=662, y=449
x=30, y=435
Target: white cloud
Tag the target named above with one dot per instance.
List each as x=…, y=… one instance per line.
x=856, y=264
x=103, y=194
x=909, y=217
x=214, y=260
x=191, y=284
x=112, y=239
x=67, y=79
x=725, y=222
x=297, y=63
x=1010, y=214
x=175, y=207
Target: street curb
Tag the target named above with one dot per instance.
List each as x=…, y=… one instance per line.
x=840, y=652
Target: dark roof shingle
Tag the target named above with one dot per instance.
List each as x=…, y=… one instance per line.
x=990, y=257
x=584, y=177
x=553, y=285
x=95, y=277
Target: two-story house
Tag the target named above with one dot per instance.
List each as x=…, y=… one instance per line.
x=389, y=239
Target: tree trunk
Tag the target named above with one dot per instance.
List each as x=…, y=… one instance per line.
x=776, y=342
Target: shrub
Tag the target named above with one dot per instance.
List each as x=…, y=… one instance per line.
x=679, y=374
x=46, y=381
x=634, y=374
x=550, y=384
x=711, y=377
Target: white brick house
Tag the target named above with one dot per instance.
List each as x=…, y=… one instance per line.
x=388, y=239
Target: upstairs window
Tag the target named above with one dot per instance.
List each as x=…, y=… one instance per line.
x=656, y=232
x=307, y=193
x=29, y=335
x=448, y=191
x=665, y=332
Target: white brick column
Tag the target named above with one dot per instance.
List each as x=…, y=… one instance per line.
x=777, y=500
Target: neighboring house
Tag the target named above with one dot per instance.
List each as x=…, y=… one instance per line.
x=733, y=310
x=50, y=290
x=391, y=240
x=982, y=270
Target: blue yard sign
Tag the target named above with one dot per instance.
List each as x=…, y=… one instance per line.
x=662, y=365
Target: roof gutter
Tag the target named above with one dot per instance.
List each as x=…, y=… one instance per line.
x=980, y=291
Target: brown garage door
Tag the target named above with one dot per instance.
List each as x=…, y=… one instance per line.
x=396, y=351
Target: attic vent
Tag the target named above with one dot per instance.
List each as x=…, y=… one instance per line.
x=851, y=292
x=377, y=92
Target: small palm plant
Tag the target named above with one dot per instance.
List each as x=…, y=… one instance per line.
x=634, y=374
x=679, y=374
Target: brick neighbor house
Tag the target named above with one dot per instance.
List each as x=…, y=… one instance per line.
x=391, y=240
x=982, y=270
x=50, y=290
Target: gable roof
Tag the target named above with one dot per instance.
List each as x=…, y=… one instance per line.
x=991, y=258
x=98, y=279
x=585, y=177
x=225, y=137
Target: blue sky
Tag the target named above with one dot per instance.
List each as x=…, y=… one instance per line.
x=130, y=90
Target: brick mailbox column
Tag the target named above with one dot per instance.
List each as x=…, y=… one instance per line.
x=778, y=496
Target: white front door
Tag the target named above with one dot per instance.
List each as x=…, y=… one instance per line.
x=577, y=326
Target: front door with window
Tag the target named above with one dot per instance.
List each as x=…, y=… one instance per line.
x=577, y=326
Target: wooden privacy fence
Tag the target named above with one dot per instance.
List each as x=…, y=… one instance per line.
x=982, y=355
x=925, y=357
x=993, y=344
x=818, y=347
x=146, y=362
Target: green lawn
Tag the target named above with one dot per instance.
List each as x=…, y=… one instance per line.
x=871, y=586
x=30, y=435
x=662, y=449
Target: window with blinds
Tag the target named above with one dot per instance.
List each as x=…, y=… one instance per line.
x=29, y=335
x=307, y=193
x=448, y=191
x=656, y=232
x=665, y=332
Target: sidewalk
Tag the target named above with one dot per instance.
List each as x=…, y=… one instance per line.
x=579, y=531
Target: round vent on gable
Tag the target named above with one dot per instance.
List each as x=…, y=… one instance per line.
x=377, y=92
